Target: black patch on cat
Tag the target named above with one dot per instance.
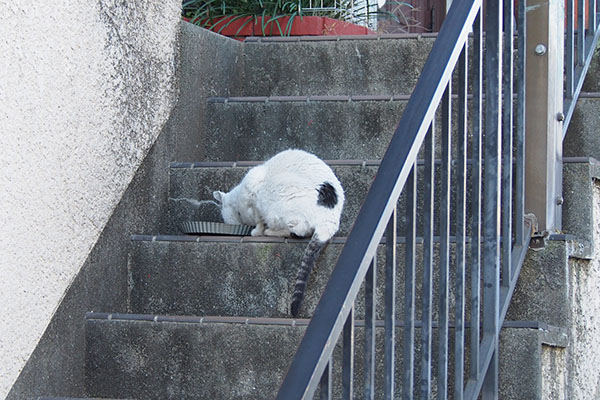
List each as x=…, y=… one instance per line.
x=327, y=195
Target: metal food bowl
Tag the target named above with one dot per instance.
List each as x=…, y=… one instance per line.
x=214, y=228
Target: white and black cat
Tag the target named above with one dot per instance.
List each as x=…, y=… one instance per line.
x=293, y=193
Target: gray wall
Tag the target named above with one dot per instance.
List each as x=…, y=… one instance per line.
x=85, y=165
x=85, y=89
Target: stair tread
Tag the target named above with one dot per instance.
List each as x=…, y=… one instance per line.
x=333, y=65
x=172, y=360
x=255, y=130
x=191, y=190
x=225, y=278
x=256, y=279
x=159, y=360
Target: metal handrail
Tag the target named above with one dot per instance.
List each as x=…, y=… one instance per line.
x=579, y=50
x=501, y=258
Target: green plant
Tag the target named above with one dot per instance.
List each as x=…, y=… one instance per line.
x=216, y=15
x=210, y=13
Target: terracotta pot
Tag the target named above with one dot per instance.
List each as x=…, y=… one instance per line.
x=240, y=28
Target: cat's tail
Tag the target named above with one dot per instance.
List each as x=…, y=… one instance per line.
x=308, y=262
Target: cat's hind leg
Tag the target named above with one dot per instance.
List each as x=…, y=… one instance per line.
x=300, y=228
x=281, y=227
x=277, y=232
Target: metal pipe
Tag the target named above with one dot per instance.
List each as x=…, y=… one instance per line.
x=390, y=308
x=409, y=284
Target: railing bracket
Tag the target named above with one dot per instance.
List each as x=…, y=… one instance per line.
x=538, y=241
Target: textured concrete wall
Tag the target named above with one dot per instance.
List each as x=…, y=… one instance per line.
x=584, y=345
x=554, y=367
x=85, y=88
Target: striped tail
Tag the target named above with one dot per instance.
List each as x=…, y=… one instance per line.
x=308, y=262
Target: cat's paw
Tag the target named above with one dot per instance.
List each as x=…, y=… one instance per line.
x=259, y=229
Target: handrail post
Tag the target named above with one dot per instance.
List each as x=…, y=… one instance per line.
x=544, y=112
x=492, y=191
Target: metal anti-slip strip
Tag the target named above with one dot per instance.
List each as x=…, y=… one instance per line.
x=275, y=321
x=580, y=160
x=321, y=98
x=589, y=95
x=307, y=99
x=335, y=38
x=195, y=320
x=333, y=163
x=258, y=239
x=561, y=237
x=245, y=164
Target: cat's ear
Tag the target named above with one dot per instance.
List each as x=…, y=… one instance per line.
x=218, y=196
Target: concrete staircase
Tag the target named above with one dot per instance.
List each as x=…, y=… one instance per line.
x=207, y=317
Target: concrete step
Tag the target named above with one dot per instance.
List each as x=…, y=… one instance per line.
x=340, y=65
x=154, y=357
x=193, y=182
x=334, y=65
x=255, y=130
x=190, y=182
x=186, y=358
x=582, y=136
x=592, y=78
x=231, y=276
x=198, y=181
x=260, y=126
x=254, y=277
x=580, y=191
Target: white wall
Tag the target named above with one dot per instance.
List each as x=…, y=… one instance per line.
x=85, y=88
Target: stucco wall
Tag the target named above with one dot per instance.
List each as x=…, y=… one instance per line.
x=85, y=88
x=584, y=347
